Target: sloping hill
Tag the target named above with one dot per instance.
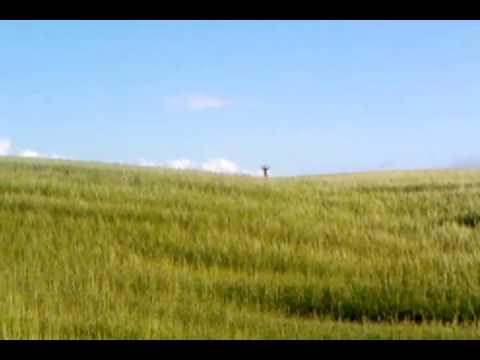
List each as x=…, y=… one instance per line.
x=97, y=251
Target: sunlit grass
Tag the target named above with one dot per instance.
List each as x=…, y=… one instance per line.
x=96, y=251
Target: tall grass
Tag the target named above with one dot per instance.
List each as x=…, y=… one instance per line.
x=90, y=251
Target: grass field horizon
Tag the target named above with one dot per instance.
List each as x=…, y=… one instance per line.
x=109, y=251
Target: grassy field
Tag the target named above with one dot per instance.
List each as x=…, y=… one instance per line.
x=90, y=251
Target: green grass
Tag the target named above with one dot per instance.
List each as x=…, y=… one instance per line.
x=90, y=251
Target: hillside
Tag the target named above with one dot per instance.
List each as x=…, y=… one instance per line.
x=97, y=251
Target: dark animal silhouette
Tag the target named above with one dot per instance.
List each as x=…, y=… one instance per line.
x=265, y=169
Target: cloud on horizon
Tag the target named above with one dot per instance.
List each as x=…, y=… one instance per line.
x=5, y=146
x=220, y=166
x=35, y=154
x=181, y=164
x=217, y=165
x=6, y=149
x=29, y=154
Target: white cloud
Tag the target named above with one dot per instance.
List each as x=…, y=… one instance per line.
x=255, y=173
x=221, y=166
x=29, y=153
x=5, y=146
x=197, y=102
x=35, y=154
x=181, y=164
x=147, y=163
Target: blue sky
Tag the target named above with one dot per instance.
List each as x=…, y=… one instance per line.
x=306, y=97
